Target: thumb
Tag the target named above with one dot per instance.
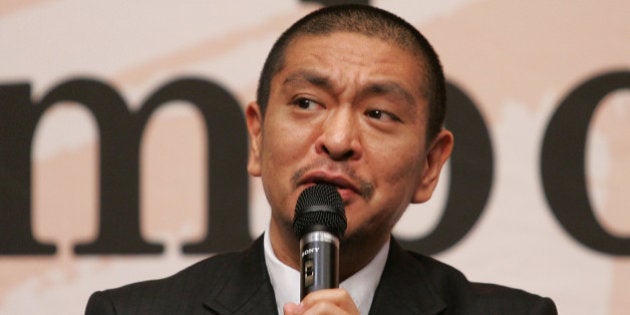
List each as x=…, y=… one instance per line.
x=292, y=309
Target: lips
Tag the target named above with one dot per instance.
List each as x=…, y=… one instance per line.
x=344, y=185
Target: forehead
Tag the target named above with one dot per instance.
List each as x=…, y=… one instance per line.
x=342, y=52
x=348, y=42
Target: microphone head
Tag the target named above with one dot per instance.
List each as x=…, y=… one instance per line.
x=320, y=207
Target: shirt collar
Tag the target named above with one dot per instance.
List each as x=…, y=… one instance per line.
x=361, y=285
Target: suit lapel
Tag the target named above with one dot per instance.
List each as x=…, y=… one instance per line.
x=244, y=287
x=403, y=288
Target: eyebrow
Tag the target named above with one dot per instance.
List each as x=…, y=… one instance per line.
x=310, y=77
x=388, y=88
x=384, y=88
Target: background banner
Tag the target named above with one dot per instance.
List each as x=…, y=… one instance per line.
x=122, y=143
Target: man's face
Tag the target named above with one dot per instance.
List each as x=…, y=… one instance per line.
x=348, y=110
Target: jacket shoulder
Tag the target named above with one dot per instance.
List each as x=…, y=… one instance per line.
x=499, y=299
x=465, y=297
x=180, y=293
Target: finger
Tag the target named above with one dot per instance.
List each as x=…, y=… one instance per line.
x=335, y=297
x=326, y=308
x=292, y=309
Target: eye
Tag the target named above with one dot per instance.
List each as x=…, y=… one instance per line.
x=381, y=115
x=305, y=103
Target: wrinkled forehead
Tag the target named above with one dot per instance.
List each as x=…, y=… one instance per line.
x=296, y=43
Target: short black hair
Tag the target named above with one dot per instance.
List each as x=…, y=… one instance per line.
x=372, y=22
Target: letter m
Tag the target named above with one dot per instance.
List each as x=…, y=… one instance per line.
x=120, y=137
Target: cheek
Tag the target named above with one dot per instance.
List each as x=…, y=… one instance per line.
x=395, y=162
x=397, y=178
x=282, y=147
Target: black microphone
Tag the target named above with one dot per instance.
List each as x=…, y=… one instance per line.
x=319, y=222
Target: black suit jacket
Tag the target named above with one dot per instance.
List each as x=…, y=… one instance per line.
x=238, y=283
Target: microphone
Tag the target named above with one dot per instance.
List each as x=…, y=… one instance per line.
x=319, y=222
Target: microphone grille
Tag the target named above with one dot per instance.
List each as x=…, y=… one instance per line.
x=320, y=206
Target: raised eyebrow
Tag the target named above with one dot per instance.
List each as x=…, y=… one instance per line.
x=389, y=88
x=309, y=77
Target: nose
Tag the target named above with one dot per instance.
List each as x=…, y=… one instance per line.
x=339, y=138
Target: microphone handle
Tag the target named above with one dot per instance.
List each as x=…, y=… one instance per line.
x=319, y=262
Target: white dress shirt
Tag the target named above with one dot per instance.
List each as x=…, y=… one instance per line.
x=361, y=285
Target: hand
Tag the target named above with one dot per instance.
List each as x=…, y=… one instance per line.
x=330, y=301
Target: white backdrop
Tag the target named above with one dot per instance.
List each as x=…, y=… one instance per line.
x=517, y=61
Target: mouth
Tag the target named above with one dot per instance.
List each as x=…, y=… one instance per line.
x=346, y=188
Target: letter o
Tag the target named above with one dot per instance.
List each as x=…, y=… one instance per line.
x=563, y=167
x=470, y=175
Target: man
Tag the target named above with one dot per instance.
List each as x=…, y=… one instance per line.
x=354, y=97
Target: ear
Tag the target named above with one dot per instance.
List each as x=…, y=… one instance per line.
x=435, y=158
x=253, y=117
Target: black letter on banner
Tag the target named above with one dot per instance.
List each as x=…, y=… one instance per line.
x=120, y=151
x=470, y=175
x=18, y=119
x=562, y=163
x=228, y=191
x=120, y=137
x=119, y=218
